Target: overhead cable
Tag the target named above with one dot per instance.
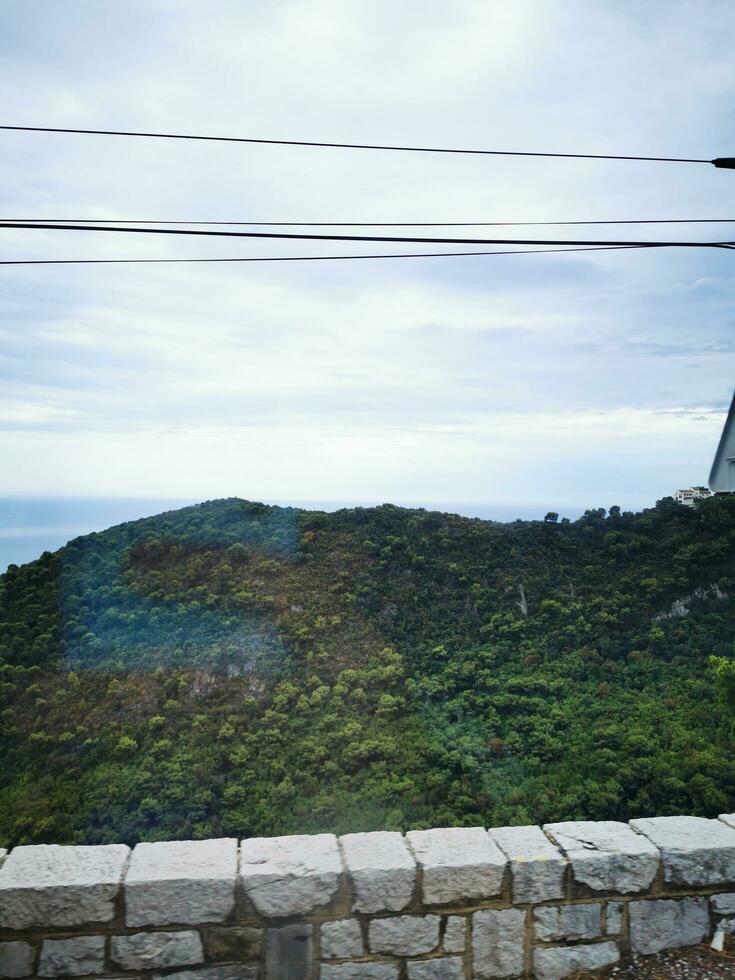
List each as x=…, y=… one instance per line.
x=378, y=224
x=727, y=162
x=320, y=258
x=53, y=226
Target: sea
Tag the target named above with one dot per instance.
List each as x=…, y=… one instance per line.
x=31, y=525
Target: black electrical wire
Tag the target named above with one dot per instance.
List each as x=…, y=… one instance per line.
x=359, y=146
x=317, y=258
x=53, y=226
x=381, y=224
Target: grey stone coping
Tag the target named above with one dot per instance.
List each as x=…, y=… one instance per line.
x=52, y=885
x=290, y=875
x=606, y=855
x=695, y=851
x=458, y=864
x=382, y=870
x=181, y=882
x=537, y=865
x=188, y=883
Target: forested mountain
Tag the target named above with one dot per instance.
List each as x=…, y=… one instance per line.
x=238, y=669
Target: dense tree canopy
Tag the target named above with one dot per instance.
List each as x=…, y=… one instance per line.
x=233, y=668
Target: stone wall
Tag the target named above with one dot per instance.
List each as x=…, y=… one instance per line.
x=446, y=904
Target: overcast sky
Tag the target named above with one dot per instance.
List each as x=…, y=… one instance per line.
x=560, y=381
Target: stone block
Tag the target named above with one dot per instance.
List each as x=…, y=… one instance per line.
x=16, y=959
x=382, y=869
x=537, y=865
x=557, y=962
x=568, y=922
x=614, y=918
x=459, y=863
x=290, y=875
x=497, y=943
x=342, y=940
x=359, y=971
x=181, y=882
x=607, y=855
x=157, y=950
x=667, y=923
x=445, y=968
x=723, y=904
x=234, y=942
x=455, y=934
x=404, y=935
x=45, y=885
x=289, y=952
x=236, y=971
x=75, y=957
x=695, y=851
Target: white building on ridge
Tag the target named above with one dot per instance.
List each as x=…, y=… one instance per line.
x=688, y=495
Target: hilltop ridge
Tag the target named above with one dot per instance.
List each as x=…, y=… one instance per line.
x=235, y=668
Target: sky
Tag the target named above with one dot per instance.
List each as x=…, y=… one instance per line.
x=523, y=381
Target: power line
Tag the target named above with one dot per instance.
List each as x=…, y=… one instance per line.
x=54, y=226
x=318, y=258
x=722, y=162
x=380, y=224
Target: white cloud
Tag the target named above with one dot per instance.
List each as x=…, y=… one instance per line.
x=437, y=379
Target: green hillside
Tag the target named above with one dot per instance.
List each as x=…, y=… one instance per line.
x=238, y=669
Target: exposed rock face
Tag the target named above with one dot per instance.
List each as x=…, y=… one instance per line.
x=680, y=607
